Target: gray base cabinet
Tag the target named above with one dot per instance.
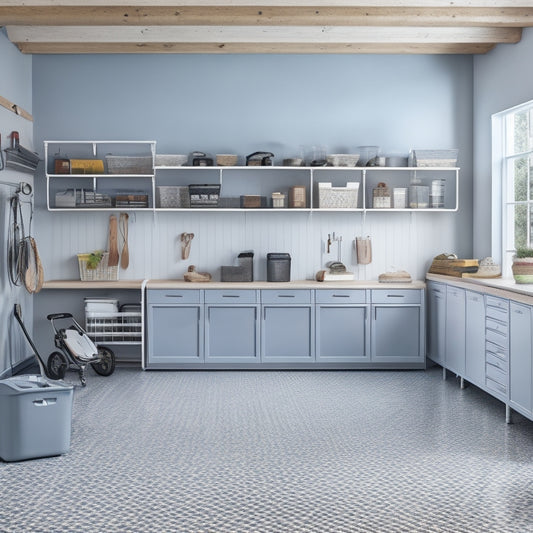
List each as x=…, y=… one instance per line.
x=436, y=293
x=287, y=326
x=231, y=326
x=284, y=328
x=475, y=338
x=342, y=326
x=455, y=343
x=397, y=326
x=521, y=359
x=175, y=327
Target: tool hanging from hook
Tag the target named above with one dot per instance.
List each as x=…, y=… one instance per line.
x=186, y=239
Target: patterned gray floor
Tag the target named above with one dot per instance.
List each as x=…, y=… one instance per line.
x=278, y=452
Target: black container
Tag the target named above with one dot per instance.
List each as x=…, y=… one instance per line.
x=278, y=267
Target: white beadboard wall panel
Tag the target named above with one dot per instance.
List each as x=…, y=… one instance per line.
x=405, y=241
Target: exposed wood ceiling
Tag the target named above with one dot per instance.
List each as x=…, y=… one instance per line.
x=260, y=26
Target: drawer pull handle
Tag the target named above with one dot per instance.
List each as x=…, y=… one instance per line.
x=173, y=295
x=395, y=296
x=230, y=296
x=341, y=295
x=285, y=295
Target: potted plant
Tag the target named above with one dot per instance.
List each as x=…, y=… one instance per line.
x=523, y=265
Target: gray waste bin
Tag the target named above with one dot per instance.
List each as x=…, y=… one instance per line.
x=35, y=417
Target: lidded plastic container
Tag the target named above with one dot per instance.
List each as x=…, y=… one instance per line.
x=278, y=267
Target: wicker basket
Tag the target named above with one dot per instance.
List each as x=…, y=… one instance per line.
x=338, y=197
x=122, y=164
x=102, y=272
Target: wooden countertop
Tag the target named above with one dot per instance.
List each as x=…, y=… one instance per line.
x=503, y=287
x=181, y=284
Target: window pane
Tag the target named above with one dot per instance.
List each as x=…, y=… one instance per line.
x=519, y=139
x=520, y=226
x=520, y=179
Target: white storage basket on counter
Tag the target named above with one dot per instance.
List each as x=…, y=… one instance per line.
x=102, y=272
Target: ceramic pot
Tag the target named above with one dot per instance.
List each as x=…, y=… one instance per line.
x=523, y=269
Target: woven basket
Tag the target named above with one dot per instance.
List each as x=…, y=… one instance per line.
x=102, y=272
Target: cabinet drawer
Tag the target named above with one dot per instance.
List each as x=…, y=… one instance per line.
x=173, y=296
x=396, y=296
x=494, y=360
x=498, y=327
x=500, y=352
x=287, y=297
x=340, y=296
x=495, y=386
x=228, y=296
x=496, y=374
x=496, y=307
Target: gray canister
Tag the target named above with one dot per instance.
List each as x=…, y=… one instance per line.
x=278, y=267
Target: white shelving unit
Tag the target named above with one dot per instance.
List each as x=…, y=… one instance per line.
x=235, y=181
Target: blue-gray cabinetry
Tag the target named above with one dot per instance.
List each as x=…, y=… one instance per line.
x=455, y=330
x=497, y=346
x=475, y=338
x=287, y=326
x=232, y=326
x=397, y=327
x=342, y=326
x=175, y=327
x=521, y=359
x=436, y=321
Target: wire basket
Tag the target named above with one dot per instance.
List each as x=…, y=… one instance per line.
x=114, y=328
x=102, y=272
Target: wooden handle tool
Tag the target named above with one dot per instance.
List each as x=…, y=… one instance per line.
x=125, y=255
x=113, y=246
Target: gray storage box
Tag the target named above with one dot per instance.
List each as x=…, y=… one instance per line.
x=278, y=267
x=35, y=417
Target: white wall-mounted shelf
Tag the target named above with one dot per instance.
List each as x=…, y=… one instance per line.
x=234, y=181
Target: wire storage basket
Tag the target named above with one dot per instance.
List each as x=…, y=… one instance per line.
x=123, y=327
x=102, y=272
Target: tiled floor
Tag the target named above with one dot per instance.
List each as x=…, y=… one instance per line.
x=282, y=451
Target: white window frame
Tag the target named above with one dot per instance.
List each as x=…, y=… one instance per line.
x=502, y=169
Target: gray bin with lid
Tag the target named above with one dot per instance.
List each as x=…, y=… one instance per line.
x=278, y=267
x=35, y=417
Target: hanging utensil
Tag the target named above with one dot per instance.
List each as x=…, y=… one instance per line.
x=113, y=245
x=125, y=254
x=186, y=239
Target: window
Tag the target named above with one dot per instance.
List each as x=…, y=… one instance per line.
x=513, y=182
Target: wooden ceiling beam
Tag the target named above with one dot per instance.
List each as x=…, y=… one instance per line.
x=252, y=48
x=90, y=15
x=264, y=34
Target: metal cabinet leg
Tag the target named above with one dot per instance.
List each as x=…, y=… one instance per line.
x=508, y=414
x=462, y=383
x=443, y=373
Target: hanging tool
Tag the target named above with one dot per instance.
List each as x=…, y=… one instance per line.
x=113, y=245
x=186, y=239
x=125, y=254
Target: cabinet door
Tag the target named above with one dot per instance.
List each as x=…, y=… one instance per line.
x=396, y=333
x=231, y=334
x=341, y=334
x=455, y=330
x=437, y=321
x=174, y=334
x=287, y=334
x=520, y=367
x=475, y=339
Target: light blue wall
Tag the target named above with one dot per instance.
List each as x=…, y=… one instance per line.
x=244, y=103
x=503, y=78
x=16, y=86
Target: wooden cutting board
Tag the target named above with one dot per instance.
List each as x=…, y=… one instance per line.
x=454, y=267
x=113, y=242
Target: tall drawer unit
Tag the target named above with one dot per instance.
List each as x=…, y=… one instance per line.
x=497, y=347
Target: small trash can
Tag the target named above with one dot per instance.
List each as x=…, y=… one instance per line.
x=278, y=267
x=35, y=417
